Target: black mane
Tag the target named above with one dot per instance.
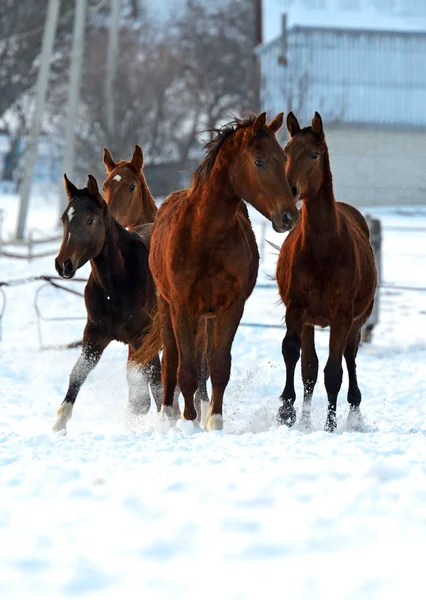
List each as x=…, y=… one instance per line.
x=213, y=146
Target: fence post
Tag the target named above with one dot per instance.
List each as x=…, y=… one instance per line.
x=375, y=227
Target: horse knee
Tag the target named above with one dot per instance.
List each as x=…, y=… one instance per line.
x=291, y=348
x=333, y=375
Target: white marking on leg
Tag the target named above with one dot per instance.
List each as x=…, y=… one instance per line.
x=117, y=177
x=64, y=414
x=215, y=423
x=70, y=213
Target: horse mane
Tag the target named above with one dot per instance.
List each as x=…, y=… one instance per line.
x=212, y=147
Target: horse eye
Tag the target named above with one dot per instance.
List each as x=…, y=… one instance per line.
x=315, y=155
x=259, y=163
x=131, y=187
x=90, y=221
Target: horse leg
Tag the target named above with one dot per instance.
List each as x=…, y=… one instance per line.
x=309, y=373
x=291, y=354
x=201, y=399
x=93, y=346
x=333, y=372
x=154, y=378
x=137, y=381
x=184, y=328
x=220, y=362
x=169, y=363
x=354, y=420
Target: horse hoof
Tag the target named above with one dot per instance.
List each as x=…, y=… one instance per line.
x=166, y=413
x=355, y=422
x=215, y=423
x=188, y=427
x=286, y=415
x=59, y=430
x=205, y=413
x=330, y=424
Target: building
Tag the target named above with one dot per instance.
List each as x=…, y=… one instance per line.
x=370, y=88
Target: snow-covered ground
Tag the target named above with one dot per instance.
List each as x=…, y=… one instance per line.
x=257, y=511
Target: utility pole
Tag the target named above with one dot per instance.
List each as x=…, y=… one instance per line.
x=111, y=67
x=41, y=87
x=258, y=37
x=73, y=92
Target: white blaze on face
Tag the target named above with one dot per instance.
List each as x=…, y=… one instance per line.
x=68, y=240
x=71, y=212
x=117, y=177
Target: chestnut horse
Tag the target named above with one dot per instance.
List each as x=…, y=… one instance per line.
x=120, y=294
x=204, y=257
x=326, y=276
x=131, y=203
x=126, y=191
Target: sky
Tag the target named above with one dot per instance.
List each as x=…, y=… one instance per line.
x=397, y=15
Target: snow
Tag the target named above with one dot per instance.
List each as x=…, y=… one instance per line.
x=255, y=511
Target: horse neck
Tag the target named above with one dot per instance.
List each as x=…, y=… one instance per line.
x=319, y=215
x=217, y=203
x=149, y=208
x=109, y=264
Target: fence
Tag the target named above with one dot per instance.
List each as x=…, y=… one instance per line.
x=59, y=284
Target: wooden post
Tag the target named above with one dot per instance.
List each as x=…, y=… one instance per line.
x=376, y=243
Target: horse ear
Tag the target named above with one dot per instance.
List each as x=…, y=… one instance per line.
x=137, y=158
x=260, y=122
x=92, y=188
x=70, y=188
x=317, y=124
x=293, y=126
x=109, y=162
x=276, y=123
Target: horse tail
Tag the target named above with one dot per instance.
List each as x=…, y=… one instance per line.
x=151, y=343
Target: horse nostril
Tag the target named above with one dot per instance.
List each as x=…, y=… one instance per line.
x=67, y=265
x=58, y=267
x=287, y=220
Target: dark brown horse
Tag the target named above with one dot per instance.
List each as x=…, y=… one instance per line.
x=326, y=276
x=204, y=256
x=120, y=294
x=126, y=191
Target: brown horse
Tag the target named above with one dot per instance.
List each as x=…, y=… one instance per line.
x=120, y=294
x=126, y=190
x=204, y=256
x=130, y=203
x=326, y=276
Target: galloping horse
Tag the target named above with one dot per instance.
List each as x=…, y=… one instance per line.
x=126, y=191
x=326, y=276
x=120, y=294
x=204, y=257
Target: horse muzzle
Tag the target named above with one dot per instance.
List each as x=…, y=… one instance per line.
x=285, y=221
x=65, y=269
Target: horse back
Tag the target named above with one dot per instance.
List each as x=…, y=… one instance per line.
x=353, y=215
